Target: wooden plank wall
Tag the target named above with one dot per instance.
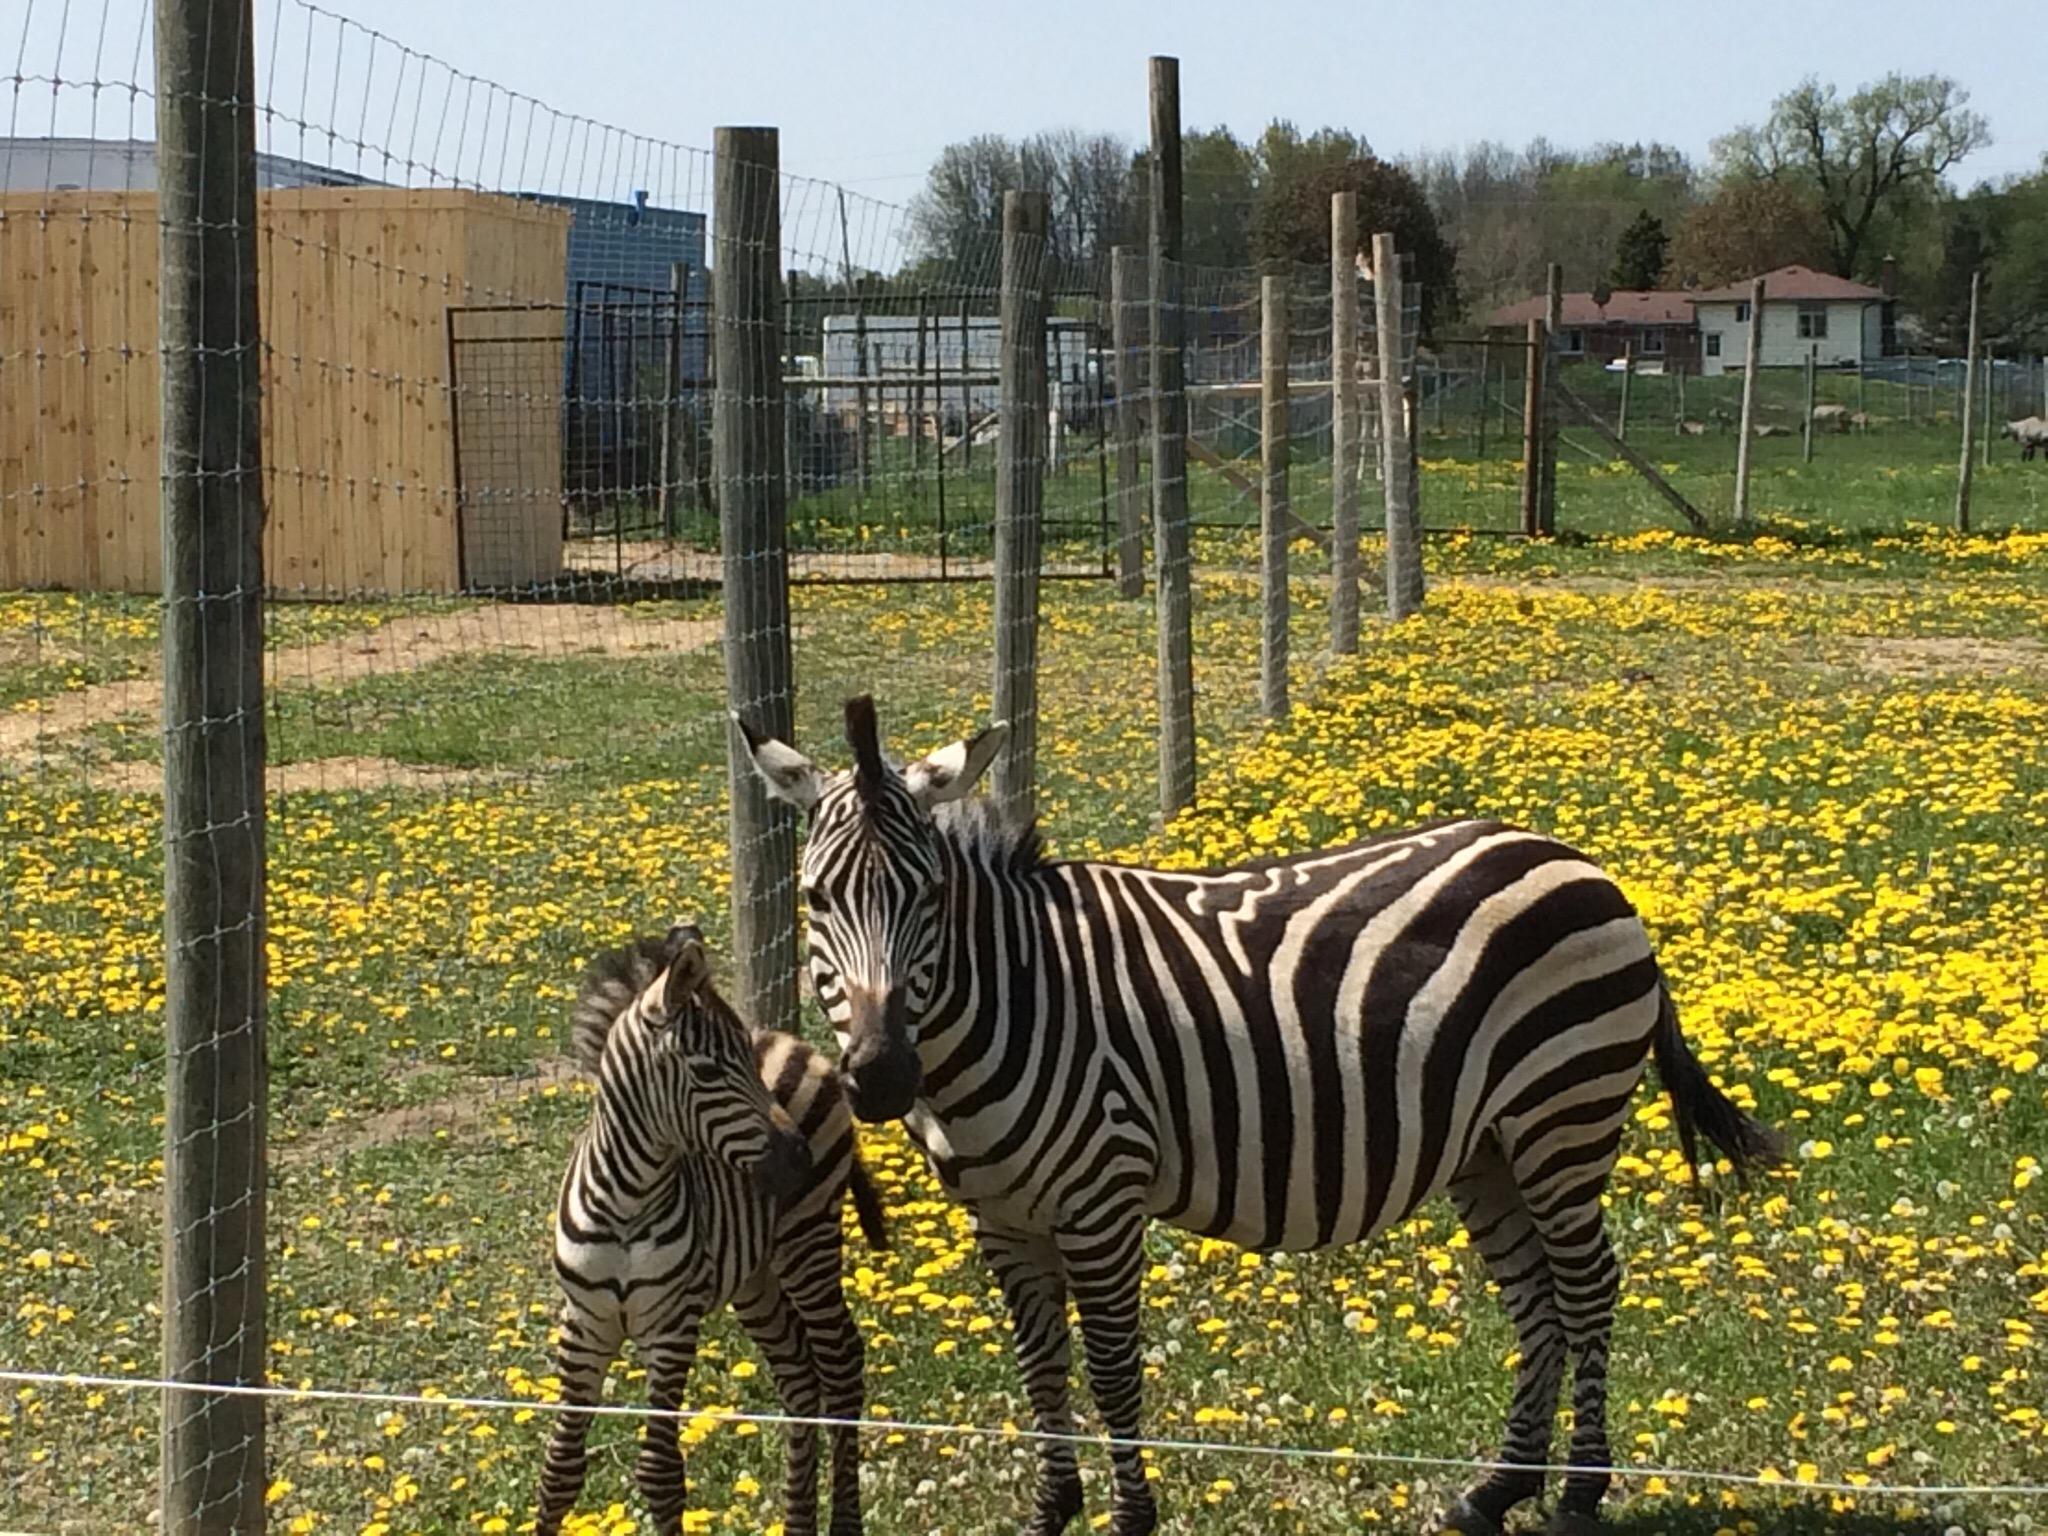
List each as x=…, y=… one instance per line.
x=356, y=285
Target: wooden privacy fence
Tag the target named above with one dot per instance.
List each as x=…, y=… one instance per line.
x=361, y=425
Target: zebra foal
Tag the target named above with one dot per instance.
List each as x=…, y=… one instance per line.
x=1289, y=1055
x=713, y=1170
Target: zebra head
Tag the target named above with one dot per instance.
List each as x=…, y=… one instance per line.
x=873, y=881
x=706, y=1095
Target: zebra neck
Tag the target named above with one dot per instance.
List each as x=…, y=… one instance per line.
x=640, y=1171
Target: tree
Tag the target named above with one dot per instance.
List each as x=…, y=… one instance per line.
x=1745, y=229
x=1639, y=253
x=1893, y=139
x=958, y=217
x=1293, y=226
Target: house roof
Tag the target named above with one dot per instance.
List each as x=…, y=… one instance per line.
x=1791, y=285
x=1629, y=307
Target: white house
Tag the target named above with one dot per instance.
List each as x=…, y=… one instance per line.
x=1838, y=321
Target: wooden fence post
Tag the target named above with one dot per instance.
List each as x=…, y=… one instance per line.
x=1628, y=374
x=1171, y=542
x=917, y=387
x=671, y=397
x=1806, y=427
x=1985, y=411
x=1751, y=361
x=1020, y=495
x=1130, y=490
x=1968, y=411
x=1344, y=440
x=1485, y=381
x=863, y=403
x=1532, y=430
x=1680, y=370
x=1274, y=506
x=792, y=449
x=1404, y=542
x=1553, y=326
x=216, y=986
x=753, y=508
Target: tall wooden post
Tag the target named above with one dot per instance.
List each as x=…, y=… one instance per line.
x=1553, y=326
x=1274, y=505
x=1485, y=383
x=792, y=451
x=1752, y=360
x=863, y=449
x=917, y=386
x=1532, y=429
x=753, y=507
x=1404, y=539
x=1806, y=427
x=1130, y=489
x=1628, y=375
x=1020, y=495
x=1679, y=382
x=967, y=371
x=1170, y=534
x=1985, y=410
x=672, y=398
x=216, y=982
x=1969, y=409
x=1344, y=440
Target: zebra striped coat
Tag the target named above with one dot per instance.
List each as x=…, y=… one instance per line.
x=1289, y=1055
x=713, y=1169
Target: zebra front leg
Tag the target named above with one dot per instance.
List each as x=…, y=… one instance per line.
x=810, y=1269
x=585, y=1352
x=1498, y=1219
x=1027, y=1265
x=659, y=1469
x=779, y=1334
x=1103, y=1262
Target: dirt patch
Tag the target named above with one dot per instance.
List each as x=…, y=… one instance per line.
x=469, y=1108
x=402, y=646
x=1920, y=656
x=321, y=773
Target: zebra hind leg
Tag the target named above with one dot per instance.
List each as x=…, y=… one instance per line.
x=810, y=1269
x=1504, y=1232
x=659, y=1469
x=1028, y=1267
x=587, y=1348
x=1104, y=1263
x=1587, y=1279
x=777, y=1331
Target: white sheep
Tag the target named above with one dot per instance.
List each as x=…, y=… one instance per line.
x=2030, y=432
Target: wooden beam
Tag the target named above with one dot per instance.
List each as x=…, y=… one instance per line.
x=1636, y=461
x=1246, y=487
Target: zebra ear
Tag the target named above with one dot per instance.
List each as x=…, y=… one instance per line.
x=791, y=777
x=953, y=771
x=689, y=968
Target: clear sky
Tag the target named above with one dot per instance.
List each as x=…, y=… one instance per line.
x=866, y=94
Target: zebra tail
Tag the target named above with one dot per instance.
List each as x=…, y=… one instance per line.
x=867, y=1206
x=1700, y=1107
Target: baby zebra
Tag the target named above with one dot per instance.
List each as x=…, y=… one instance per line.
x=713, y=1170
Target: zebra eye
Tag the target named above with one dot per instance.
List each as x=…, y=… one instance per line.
x=819, y=903
x=703, y=1073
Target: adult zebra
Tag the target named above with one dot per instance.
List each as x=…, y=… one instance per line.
x=1289, y=1055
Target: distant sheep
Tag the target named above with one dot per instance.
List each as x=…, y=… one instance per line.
x=2030, y=432
x=1831, y=418
x=1859, y=421
x=1765, y=429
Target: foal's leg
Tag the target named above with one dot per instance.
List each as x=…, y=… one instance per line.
x=1505, y=1233
x=588, y=1345
x=809, y=1265
x=1028, y=1267
x=778, y=1333
x=660, y=1470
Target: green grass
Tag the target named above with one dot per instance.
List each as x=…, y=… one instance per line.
x=1734, y=744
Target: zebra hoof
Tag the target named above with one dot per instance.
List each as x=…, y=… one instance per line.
x=1573, y=1522
x=1465, y=1518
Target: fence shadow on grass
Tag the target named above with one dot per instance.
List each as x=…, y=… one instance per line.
x=1792, y=1519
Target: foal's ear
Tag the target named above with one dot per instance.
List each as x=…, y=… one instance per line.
x=791, y=777
x=689, y=968
x=953, y=771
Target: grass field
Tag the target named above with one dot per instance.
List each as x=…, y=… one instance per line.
x=1820, y=766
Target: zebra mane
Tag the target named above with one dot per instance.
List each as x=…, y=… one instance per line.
x=982, y=834
x=611, y=983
